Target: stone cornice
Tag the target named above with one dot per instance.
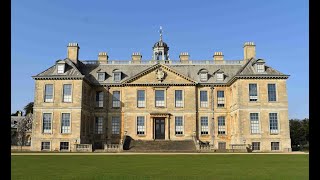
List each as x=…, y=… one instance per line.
x=58, y=77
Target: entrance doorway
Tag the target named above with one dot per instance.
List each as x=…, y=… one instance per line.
x=159, y=128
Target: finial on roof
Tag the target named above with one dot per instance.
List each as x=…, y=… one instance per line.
x=160, y=33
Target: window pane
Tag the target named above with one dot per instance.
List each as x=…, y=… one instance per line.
x=98, y=125
x=159, y=98
x=141, y=98
x=204, y=125
x=220, y=99
x=253, y=95
x=273, y=118
x=45, y=145
x=203, y=76
x=117, y=76
x=221, y=125
x=101, y=76
x=46, y=123
x=140, y=125
x=272, y=92
x=99, y=99
x=179, y=124
x=64, y=145
x=254, y=122
x=178, y=98
x=260, y=67
x=220, y=76
x=67, y=93
x=115, y=125
x=60, y=68
x=275, y=146
x=203, y=99
x=65, y=123
x=48, y=97
x=116, y=99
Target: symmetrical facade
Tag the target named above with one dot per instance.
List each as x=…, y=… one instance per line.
x=221, y=102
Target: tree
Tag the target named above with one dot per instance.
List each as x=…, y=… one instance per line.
x=28, y=108
x=16, y=113
x=297, y=133
x=23, y=126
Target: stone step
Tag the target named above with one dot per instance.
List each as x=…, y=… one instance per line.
x=161, y=146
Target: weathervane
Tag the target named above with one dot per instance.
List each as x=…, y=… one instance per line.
x=160, y=33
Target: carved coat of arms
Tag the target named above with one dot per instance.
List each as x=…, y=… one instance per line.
x=160, y=74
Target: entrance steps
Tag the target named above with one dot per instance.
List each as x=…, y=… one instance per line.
x=160, y=146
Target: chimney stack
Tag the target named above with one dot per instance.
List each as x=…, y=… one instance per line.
x=73, y=52
x=184, y=57
x=218, y=57
x=136, y=58
x=249, y=50
x=103, y=57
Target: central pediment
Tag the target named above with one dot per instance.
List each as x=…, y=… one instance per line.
x=159, y=74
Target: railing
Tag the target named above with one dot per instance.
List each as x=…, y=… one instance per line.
x=226, y=62
x=84, y=147
x=112, y=147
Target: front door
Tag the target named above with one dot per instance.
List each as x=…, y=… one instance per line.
x=159, y=128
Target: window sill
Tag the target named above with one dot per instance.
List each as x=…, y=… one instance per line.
x=66, y=133
x=160, y=107
x=141, y=107
x=221, y=135
x=115, y=107
x=47, y=133
x=179, y=135
x=98, y=107
x=274, y=133
x=141, y=135
x=48, y=102
x=66, y=102
x=204, y=135
x=179, y=107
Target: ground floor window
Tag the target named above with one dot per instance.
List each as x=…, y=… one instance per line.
x=222, y=145
x=275, y=146
x=204, y=125
x=45, y=145
x=64, y=146
x=255, y=146
x=179, y=124
x=98, y=125
x=140, y=125
x=115, y=125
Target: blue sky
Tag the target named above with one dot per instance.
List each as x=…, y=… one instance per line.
x=41, y=30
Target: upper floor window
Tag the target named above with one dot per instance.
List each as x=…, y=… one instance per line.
x=65, y=123
x=179, y=124
x=48, y=93
x=46, y=123
x=141, y=98
x=204, y=125
x=140, y=125
x=99, y=125
x=178, y=98
x=272, y=94
x=254, y=123
x=260, y=67
x=67, y=95
x=115, y=125
x=101, y=76
x=117, y=76
x=99, y=99
x=116, y=99
x=273, y=120
x=253, y=93
x=220, y=101
x=204, y=76
x=60, y=68
x=159, y=98
x=220, y=77
x=221, y=125
x=203, y=99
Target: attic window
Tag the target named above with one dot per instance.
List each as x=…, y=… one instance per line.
x=203, y=76
x=101, y=76
x=219, y=76
x=117, y=76
x=260, y=67
x=60, y=69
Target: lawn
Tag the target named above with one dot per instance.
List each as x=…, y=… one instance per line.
x=233, y=166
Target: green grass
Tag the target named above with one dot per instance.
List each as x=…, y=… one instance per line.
x=69, y=167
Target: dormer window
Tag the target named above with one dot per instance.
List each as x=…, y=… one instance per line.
x=101, y=76
x=219, y=76
x=116, y=75
x=260, y=67
x=61, y=68
x=203, y=75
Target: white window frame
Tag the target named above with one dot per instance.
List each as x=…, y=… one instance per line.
x=203, y=76
x=46, y=131
x=179, y=130
x=222, y=126
x=272, y=148
x=254, y=124
x=101, y=76
x=115, y=125
x=179, y=103
x=99, y=98
x=274, y=131
x=141, y=129
x=45, y=93
x=204, y=128
x=221, y=100
x=160, y=103
x=253, y=98
x=117, y=74
x=60, y=68
x=141, y=103
x=65, y=129
x=98, y=125
x=116, y=103
x=276, y=92
x=204, y=104
x=260, y=67
x=220, y=77
x=66, y=98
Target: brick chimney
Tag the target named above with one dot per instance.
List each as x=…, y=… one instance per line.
x=73, y=52
x=218, y=58
x=184, y=57
x=136, y=58
x=249, y=49
x=103, y=57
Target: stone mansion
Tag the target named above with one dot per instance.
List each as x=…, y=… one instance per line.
x=218, y=102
